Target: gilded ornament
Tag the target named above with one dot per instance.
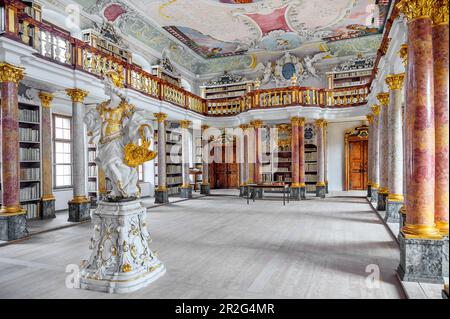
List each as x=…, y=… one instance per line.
x=398, y=198
x=46, y=99
x=403, y=53
x=256, y=123
x=383, y=98
x=185, y=124
x=244, y=126
x=414, y=9
x=395, y=81
x=295, y=121
x=440, y=12
x=136, y=155
x=160, y=117
x=370, y=118
x=11, y=73
x=77, y=95
x=320, y=123
x=421, y=232
x=321, y=184
x=385, y=46
x=376, y=110
x=127, y=268
x=116, y=78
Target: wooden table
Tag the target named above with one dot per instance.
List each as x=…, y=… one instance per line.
x=284, y=187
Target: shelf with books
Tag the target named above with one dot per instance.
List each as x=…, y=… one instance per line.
x=311, y=168
x=93, y=187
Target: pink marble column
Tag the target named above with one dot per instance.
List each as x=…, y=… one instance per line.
x=441, y=101
x=295, y=121
x=370, y=151
x=205, y=188
x=257, y=125
x=10, y=76
x=384, y=151
x=301, y=157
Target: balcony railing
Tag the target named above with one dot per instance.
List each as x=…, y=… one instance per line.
x=58, y=46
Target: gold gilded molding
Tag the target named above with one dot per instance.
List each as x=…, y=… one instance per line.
x=302, y=121
x=160, y=117
x=384, y=191
x=295, y=121
x=442, y=227
x=46, y=99
x=77, y=95
x=244, y=126
x=403, y=53
x=321, y=184
x=375, y=186
x=11, y=73
x=205, y=127
x=385, y=46
x=185, y=124
x=395, y=81
x=48, y=198
x=12, y=211
x=414, y=9
x=370, y=118
x=440, y=13
x=398, y=198
x=162, y=189
x=256, y=123
x=383, y=98
x=135, y=155
x=421, y=232
x=376, y=110
x=79, y=200
x=116, y=78
x=320, y=123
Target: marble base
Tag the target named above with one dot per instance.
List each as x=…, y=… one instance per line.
x=259, y=193
x=205, y=189
x=321, y=191
x=421, y=260
x=374, y=198
x=295, y=194
x=48, y=209
x=402, y=221
x=445, y=264
x=161, y=197
x=121, y=260
x=243, y=191
x=13, y=227
x=393, y=212
x=369, y=191
x=186, y=192
x=327, y=188
x=79, y=212
x=381, y=202
x=303, y=193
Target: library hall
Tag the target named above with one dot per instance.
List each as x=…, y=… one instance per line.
x=224, y=149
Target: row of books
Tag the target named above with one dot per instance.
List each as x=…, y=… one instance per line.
x=29, y=116
x=283, y=169
x=30, y=192
x=310, y=188
x=310, y=167
x=173, y=190
x=352, y=74
x=30, y=174
x=174, y=180
x=226, y=88
x=92, y=155
x=174, y=169
x=311, y=178
x=28, y=135
x=30, y=154
x=311, y=157
x=92, y=171
x=32, y=210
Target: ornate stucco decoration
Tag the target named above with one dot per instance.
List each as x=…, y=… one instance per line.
x=358, y=63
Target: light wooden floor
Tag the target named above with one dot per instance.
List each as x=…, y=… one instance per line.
x=218, y=247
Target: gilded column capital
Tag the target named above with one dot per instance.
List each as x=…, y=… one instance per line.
x=301, y=121
x=383, y=98
x=415, y=9
x=376, y=110
x=185, y=123
x=205, y=127
x=46, y=99
x=395, y=81
x=370, y=118
x=11, y=73
x=295, y=120
x=244, y=126
x=321, y=123
x=256, y=123
x=77, y=95
x=403, y=53
x=440, y=12
x=160, y=117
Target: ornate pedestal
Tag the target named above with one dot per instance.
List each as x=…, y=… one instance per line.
x=421, y=260
x=369, y=191
x=121, y=261
x=79, y=212
x=295, y=193
x=205, y=189
x=48, y=209
x=242, y=191
x=13, y=227
x=321, y=191
x=393, y=212
x=303, y=193
x=381, y=201
x=186, y=192
x=445, y=264
x=161, y=197
x=374, y=198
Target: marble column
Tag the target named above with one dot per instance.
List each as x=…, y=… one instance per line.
x=79, y=206
x=48, y=199
x=383, y=151
x=370, y=157
x=441, y=101
x=161, y=193
x=243, y=165
x=295, y=145
x=375, y=167
x=256, y=125
x=320, y=186
x=186, y=188
x=421, y=244
x=325, y=154
x=13, y=220
x=205, y=188
x=395, y=198
x=301, y=158
x=403, y=53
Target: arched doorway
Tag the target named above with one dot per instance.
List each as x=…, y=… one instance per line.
x=356, y=158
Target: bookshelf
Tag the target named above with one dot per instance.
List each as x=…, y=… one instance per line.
x=198, y=163
x=226, y=87
x=166, y=71
x=352, y=73
x=102, y=43
x=310, y=168
x=283, y=170
x=174, y=169
x=93, y=189
x=30, y=159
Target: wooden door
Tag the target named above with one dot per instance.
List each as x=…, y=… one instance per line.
x=358, y=164
x=226, y=175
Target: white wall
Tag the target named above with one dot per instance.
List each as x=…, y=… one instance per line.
x=336, y=153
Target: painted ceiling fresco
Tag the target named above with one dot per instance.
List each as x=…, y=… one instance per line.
x=221, y=28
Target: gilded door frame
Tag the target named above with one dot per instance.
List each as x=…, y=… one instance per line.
x=359, y=133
